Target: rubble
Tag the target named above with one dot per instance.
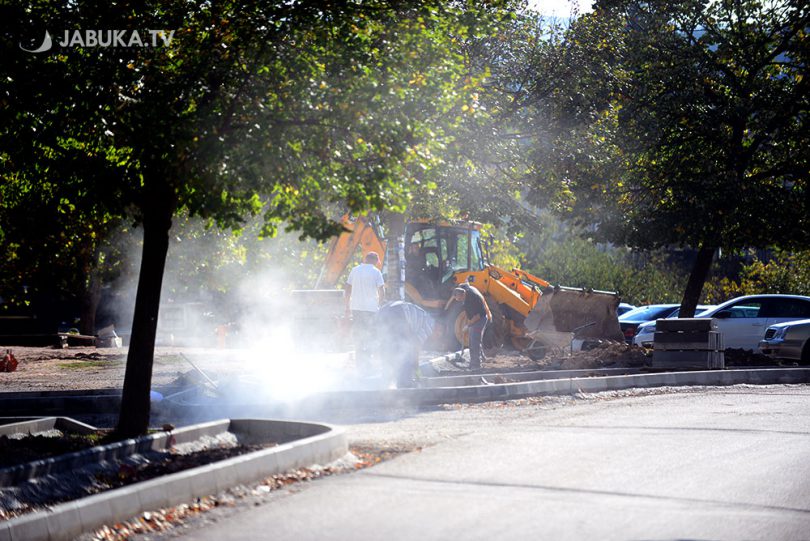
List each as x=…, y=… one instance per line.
x=606, y=355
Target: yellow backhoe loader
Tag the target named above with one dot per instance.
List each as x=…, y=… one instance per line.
x=431, y=258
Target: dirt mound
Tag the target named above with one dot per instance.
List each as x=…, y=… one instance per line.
x=510, y=361
x=610, y=355
x=607, y=355
x=743, y=358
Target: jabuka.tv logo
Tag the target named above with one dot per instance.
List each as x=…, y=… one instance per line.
x=105, y=38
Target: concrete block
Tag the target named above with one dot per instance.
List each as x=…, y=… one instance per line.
x=67, y=424
x=708, y=341
x=690, y=324
x=203, y=483
x=93, y=511
x=179, y=488
x=688, y=359
x=252, y=469
x=153, y=494
x=225, y=477
x=63, y=521
x=29, y=527
x=288, y=457
x=124, y=502
x=30, y=426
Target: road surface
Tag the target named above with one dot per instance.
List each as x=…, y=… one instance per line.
x=716, y=463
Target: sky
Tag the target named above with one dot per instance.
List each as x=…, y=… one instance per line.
x=559, y=8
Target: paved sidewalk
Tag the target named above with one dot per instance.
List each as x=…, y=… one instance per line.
x=725, y=463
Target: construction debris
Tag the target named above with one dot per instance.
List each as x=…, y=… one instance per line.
x=8, y=363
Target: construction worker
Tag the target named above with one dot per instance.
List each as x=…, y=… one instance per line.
x=401, y=328
x=364, y=293
x=478, y=315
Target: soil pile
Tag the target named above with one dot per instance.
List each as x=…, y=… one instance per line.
x=606, y=355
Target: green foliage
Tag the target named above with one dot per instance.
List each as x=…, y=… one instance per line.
x=56, y=245
x=483, y=174
x=564, y=255
x=273, y=107
x=305, y=105
x=787, y=272
x=205, y=260
x=682, y=123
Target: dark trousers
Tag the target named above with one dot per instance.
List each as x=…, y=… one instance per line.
x=364, y=337
x=476, y=347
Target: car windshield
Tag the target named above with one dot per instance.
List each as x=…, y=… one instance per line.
x=650, y=325
x=646, y=313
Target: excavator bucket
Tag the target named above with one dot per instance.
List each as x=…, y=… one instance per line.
x=563, y=314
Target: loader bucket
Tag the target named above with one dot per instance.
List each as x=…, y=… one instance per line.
x=579, y=313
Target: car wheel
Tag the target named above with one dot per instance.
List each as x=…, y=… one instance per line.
x=806, y=353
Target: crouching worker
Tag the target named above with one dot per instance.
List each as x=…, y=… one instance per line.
x=401, y=328
x=478, y=315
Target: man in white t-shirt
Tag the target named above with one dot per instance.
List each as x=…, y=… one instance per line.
x=365, y=292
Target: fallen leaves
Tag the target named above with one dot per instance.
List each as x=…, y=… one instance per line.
x=165, y=519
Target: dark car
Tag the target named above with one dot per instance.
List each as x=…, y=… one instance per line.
x=629, y=321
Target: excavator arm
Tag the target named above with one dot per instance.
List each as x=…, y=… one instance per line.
x=360, y=232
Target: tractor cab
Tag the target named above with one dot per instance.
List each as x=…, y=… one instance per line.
x=435, y=253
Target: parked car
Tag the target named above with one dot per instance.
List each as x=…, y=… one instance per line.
x=623, y=308
x=742, y=321
x=790, y=340
x=646, y=331
x=629, y=321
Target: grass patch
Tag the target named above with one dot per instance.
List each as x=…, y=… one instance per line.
x=81, y=365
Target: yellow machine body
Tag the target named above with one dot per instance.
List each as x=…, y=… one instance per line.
x=438, y=256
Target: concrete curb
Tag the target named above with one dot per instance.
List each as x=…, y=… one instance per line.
x=510, y=391
x=338, y=402
x=434, y=396
x=476, y=379
x=32, y=425
x=306, y=444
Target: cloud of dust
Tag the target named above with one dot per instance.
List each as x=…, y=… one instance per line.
x=228, y=306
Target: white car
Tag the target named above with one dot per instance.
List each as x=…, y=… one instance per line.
x=742, y=321
x=646, y=331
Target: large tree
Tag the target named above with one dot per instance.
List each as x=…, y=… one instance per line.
x=272, y=107
x=683, y=123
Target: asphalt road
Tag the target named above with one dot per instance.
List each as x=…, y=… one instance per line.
x=720, y=463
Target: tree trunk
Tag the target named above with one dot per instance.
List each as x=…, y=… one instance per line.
x=133, y=419
x=395, y=257
x=694, y=287
x=90, y=300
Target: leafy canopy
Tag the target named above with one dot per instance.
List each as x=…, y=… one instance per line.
x=271, y=107
x=683, y=123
